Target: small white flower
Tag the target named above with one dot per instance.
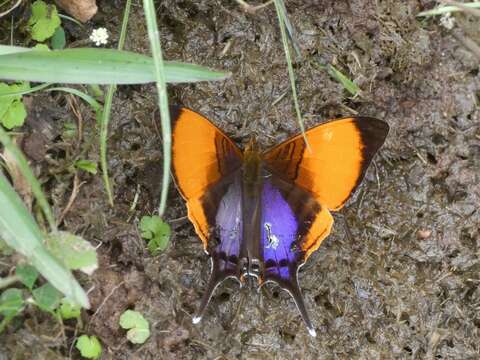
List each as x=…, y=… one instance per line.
x=99, y=36
x=447, y=21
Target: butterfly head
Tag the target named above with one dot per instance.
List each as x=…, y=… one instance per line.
x=252, y=147
x=252, y=162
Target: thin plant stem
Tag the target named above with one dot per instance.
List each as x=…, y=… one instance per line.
x=7, y=281
x=281, y=16
x=105, y=117
x=154, y=37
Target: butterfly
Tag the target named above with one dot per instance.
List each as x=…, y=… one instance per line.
x=262, y=214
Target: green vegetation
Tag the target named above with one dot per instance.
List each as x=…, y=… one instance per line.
x=137, y=326
x=156, y=231
x=12, y=109
x=89, y=347
x=44, y=21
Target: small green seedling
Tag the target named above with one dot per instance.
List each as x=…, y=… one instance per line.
x=44, y=21
x=27, y=274
x=68, y=310
x=12, y=109
x=156, y=231
x=46, y=297
x=89, y=347
x=87, y=165
x=137, y=326
x=11, y=304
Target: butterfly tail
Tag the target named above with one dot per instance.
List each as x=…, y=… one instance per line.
x=219, y=274
x=295, y=292
x=293, y=288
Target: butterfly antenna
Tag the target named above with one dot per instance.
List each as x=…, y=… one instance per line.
x=296, y=293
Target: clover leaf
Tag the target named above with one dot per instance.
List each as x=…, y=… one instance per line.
x=138, y=327
x=89, y=347
x=44, y=20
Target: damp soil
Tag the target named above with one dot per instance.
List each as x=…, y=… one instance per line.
x=401, y=283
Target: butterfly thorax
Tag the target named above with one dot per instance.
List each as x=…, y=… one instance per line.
x=252, y=162
x=252, y=183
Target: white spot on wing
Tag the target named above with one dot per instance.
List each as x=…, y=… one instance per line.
x=273, y=240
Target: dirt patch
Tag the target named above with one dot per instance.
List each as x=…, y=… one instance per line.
x=405, y=285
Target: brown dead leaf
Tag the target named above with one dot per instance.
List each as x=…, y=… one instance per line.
x=20, y=183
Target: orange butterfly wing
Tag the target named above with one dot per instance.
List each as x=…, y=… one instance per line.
x=341, y=151
x=202, y=155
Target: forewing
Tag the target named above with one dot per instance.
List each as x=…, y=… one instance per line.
x=341, y=151
x=206, y=166
x=202, y=156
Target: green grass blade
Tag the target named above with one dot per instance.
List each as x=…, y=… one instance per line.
x=449, y=9
x=290, y=31
x=281, y=20
x=347, y=84
x=95, y=66
x=105, y=115
x=161, y=80
x=19, y=231
x=28, y=174
x=27, y=91
x=85, y=97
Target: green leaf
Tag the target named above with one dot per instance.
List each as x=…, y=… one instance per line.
x=87, y=165
x=89, y=347
x=15, y=116
x=138, y=326
x=75, y=252
x=82, y=66
x=12, y=110
x=5, y=101
x=68, y=310
x=7, y=95
x=154, y=229
x=11, y=302
x=27, y=274
x=44, y=20
x=47, y=297
x=41, y=47
x=58, y=39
